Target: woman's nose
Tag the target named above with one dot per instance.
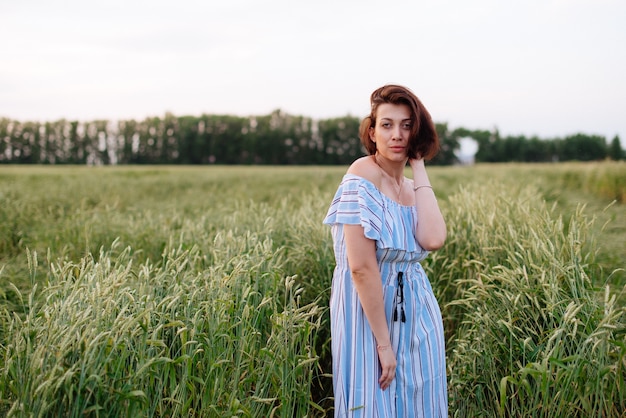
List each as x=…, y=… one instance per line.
x=397, y=133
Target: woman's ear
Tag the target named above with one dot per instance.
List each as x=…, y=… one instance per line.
x=371, y=134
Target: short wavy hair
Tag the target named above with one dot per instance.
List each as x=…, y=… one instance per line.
x=423, y=141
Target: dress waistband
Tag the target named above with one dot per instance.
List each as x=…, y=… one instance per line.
x=411, y=271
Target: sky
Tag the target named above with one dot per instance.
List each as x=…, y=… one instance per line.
x=546, y=68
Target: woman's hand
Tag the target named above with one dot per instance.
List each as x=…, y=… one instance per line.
x=387, y=359
x=416, y=163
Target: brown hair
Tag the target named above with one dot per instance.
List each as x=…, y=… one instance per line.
x=423, y=140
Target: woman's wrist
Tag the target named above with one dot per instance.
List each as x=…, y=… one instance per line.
x=420, y=177
x=416, y=163
x=416, y=187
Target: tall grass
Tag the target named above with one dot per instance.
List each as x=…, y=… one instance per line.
x=179, y=291
x=607, y=179
x=529, y=334
x=212, y=311
x=223, y=334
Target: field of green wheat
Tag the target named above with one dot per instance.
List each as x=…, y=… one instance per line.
x=168, y=291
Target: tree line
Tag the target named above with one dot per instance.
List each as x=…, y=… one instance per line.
x=278, y=138
x=578, y=147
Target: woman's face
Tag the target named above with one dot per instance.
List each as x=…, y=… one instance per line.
x=392, y=131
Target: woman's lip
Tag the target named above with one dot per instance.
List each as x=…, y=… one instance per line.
x=397, y=148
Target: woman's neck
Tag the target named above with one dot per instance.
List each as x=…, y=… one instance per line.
x=393, y=169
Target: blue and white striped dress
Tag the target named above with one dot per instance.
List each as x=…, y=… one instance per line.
x=413, y=315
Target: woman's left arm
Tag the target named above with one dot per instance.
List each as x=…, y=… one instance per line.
x=431, y=227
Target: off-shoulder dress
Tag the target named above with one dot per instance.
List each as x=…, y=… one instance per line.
x=413, y=314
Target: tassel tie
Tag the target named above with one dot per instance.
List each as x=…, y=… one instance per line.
x=400, y=299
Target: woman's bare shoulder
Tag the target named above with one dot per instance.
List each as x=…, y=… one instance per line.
x=366, y=168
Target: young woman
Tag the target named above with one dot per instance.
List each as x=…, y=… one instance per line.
x=386, y=327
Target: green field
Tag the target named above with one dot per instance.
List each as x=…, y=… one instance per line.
x=168, y=291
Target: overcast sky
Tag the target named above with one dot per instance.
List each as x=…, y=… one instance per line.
x=534, y=67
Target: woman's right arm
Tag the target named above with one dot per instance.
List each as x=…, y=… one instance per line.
x=361, y=253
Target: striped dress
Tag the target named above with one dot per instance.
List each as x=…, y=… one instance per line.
x=413, y=315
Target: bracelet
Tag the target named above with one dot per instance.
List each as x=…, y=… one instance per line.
x=383, y=347
x=419, y=187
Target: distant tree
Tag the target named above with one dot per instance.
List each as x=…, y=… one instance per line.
x=5, y=131
x=20, y=143
x=186, y=144
x=34, y=140
x=581, y=147
x=340, y=143
x=537, y=150
x=304, y=148
x=14, y=143
x=615, y=150
x=76, y=147
x=449, y=145
x=50, y=145
x=292, y=138
x=269, y=138
x=128, y=140
x=228, y=139
x=169, y=141
x=513, y=148
x=489, y=144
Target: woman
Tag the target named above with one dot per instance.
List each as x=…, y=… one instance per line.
x=386, y=327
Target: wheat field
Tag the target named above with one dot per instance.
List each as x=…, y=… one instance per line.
x=167, y=291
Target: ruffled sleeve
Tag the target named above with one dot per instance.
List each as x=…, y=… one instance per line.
x=357, y=202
